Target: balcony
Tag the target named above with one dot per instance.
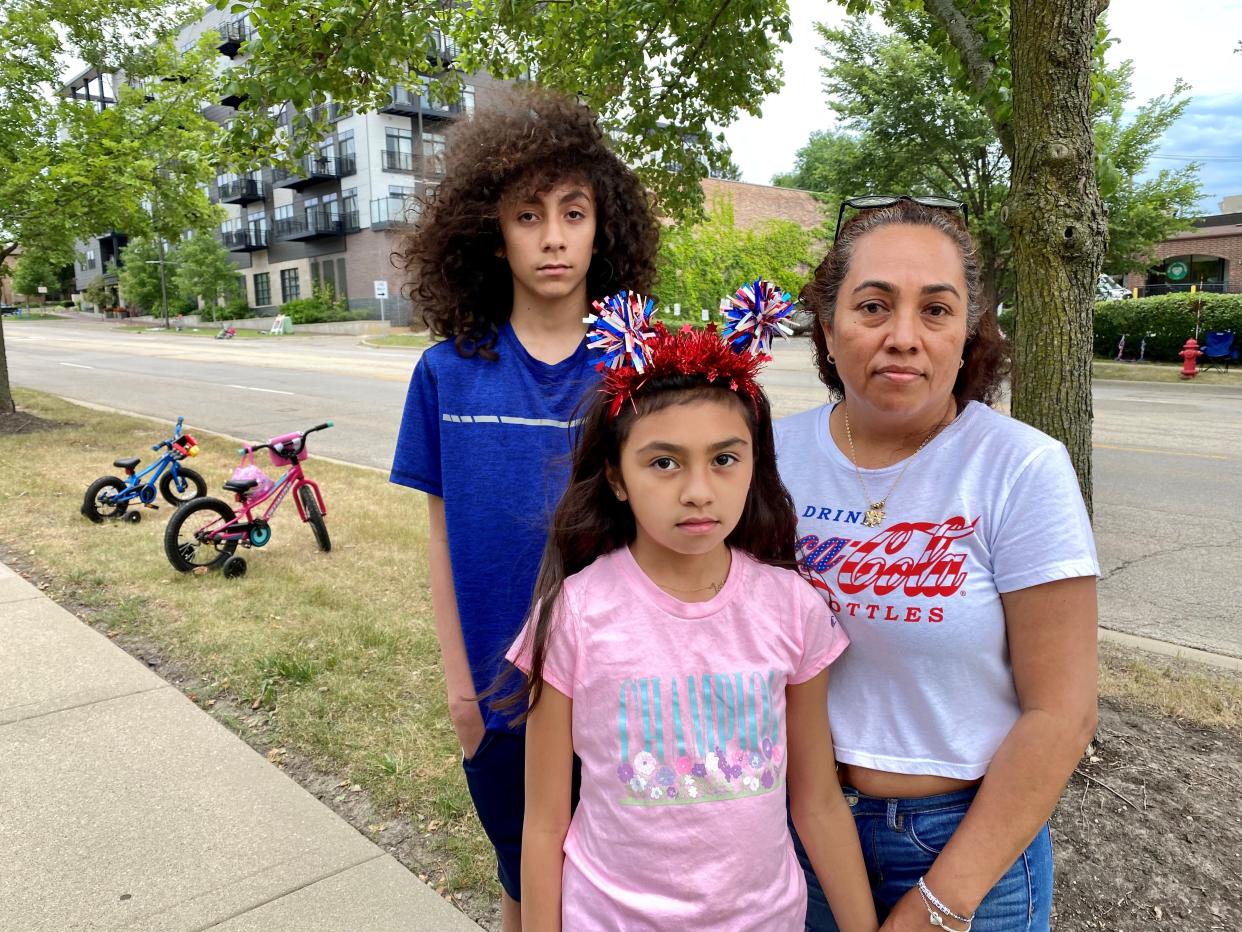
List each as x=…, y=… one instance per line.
x=241, y=191
x=346, y=165
x=440, y=50
x=394, y=212
x=232, y=35
x=404, y=102
x=247, y=240
x=397, y=161
x=315, y=223
x=311, y=169
x=233, y=98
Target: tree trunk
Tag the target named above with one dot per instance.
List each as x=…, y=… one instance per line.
x=6, y=394
x=1057, y=221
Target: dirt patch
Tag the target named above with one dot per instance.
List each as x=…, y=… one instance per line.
x=23, y=423
x=1149, y=831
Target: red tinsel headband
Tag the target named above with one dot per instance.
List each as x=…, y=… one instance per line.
x=637, y=351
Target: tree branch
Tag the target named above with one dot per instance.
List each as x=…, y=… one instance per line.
x=969, y=44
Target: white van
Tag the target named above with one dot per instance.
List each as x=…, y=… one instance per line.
x=1108, y=290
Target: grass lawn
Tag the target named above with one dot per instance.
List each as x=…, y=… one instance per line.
x=32, y=315
x=1161, y=372
x=419, y=340
x=334, y=653
x=157, y=330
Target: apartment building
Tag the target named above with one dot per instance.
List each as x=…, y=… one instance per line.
x=335, y=218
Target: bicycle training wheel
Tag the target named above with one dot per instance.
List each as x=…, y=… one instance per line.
x=187, y=537
x=185, y=487
x=97, y=504
x=314, y=517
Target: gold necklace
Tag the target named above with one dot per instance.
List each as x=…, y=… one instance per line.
x=715, y=587
x=875, y=513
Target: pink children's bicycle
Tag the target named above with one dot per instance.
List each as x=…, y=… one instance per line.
x=204, y=534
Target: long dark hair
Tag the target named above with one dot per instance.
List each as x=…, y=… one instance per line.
x=524, y=142
x=590, y=521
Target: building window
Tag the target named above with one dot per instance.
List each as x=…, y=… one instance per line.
x=341, y=285
x=467, y=99
x=433, y=154
x=289, y=290
x=398, y=149
x=262, y=289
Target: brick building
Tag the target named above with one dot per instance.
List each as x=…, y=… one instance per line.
x=754, y=204
x=1208, y=256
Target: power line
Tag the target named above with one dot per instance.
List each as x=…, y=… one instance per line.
x=1200, y=158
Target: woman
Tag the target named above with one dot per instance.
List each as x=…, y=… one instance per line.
x=953, y=545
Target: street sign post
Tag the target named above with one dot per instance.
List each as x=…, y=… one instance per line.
x=381, y=292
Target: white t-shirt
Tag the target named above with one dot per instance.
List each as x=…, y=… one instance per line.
x=991, y=505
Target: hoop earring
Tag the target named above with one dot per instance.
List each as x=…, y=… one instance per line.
x=831, y=360
x=961, y=362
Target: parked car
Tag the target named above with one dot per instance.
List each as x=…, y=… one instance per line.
x=1108, y=290
x=801, y=320
x=8, y=309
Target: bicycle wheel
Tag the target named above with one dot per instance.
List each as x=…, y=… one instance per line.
x=98, y=502
x=186, y=486
x=314, y=517
x=187, y=537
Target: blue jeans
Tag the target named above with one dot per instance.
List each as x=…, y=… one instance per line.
x=900, y=840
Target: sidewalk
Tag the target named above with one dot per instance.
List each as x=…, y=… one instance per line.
x=123, y=806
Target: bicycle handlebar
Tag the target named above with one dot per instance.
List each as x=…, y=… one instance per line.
x=255, y=448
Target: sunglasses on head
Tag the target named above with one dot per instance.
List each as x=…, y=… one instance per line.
x=874, y=201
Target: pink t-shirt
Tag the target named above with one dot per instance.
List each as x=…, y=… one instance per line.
x=679, y=718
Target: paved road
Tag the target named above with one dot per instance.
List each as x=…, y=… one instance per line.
x=1168, y=458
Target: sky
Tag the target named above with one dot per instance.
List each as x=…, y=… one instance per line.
x=1165, y=42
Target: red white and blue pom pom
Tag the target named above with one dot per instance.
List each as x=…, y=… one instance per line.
x=622, y=331
x=755, y=317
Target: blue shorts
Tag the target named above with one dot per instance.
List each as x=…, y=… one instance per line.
x=900, y=840
x=496, y=777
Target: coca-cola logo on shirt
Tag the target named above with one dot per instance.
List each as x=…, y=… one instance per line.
x=915, y=557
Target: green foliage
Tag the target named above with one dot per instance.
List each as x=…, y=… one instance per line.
x=139, y=275
x=1167, y=322
x=701, y=263
x=96, y=292
x=912, y=126
x=321, y=308
x=203, y=270
x=663, y=75
x=236, y=309
x=35, y=269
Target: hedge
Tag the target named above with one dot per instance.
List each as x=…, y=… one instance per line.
x=1167, y=321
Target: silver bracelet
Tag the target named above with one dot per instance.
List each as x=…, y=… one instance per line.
x=930, y=900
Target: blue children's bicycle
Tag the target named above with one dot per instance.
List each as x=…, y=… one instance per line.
x=110, y=496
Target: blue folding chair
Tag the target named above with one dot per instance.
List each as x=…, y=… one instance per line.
x=1218, y=350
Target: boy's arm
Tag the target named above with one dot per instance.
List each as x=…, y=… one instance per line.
x=823, y=820
x=463, y=707
x=549, y=772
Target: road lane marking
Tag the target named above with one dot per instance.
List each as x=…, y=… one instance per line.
x=270, y=391
x=1202, y=456
x=76, y=366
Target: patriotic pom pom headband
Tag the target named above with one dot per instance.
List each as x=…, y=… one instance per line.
x=635, y=350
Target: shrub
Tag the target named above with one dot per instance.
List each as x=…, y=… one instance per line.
x=1166, y=321
x=237, y=309
x=321, y=309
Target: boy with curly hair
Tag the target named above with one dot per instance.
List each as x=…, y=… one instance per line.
x=535, y=218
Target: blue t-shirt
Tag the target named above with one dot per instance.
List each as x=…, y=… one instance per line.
x=493, y=438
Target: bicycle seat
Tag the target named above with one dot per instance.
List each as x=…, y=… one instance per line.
x=130, y=463
x=240, y=486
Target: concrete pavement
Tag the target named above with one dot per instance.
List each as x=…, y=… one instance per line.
x=123, y=806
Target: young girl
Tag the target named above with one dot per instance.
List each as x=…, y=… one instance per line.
x=674, y=656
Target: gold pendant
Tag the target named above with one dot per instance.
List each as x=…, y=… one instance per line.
x=875, y=515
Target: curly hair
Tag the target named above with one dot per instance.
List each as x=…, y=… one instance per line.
x=526, y=143
x=987, y=352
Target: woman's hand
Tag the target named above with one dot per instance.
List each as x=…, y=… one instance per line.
x=910, y=915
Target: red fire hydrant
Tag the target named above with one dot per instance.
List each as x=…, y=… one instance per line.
x=1190, y=356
